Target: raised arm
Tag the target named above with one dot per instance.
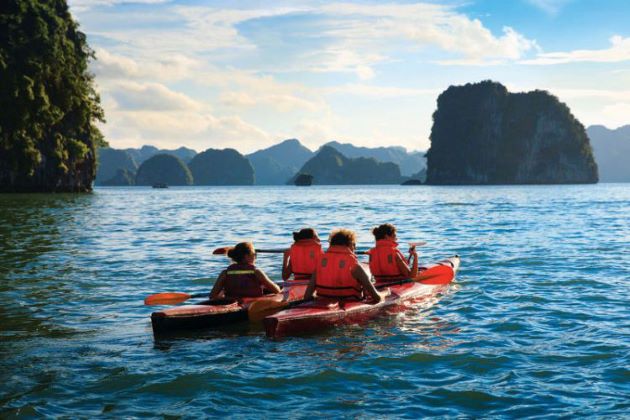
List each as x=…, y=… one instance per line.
x=404, y=268
x=266, y=281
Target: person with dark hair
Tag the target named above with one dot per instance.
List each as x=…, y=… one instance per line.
x=387, y=263
x=242, y=278
x=339, y=275
x=301, y=259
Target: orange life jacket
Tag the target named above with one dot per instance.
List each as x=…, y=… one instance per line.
x=241, y=281
x=334, y=274
x=303, y=257
x=383, y=261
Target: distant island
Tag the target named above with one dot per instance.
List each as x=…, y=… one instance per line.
x=276, y=165
x=330, y=167
x=483, y=134
x=612, y=152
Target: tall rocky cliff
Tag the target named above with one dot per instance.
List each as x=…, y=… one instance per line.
x=483, y=134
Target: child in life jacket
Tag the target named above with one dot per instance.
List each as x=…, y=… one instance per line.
x=387, y=263
x=242, y=278
x=339, y=275
x=301, y=259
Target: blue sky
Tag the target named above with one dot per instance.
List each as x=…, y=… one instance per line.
x=247, y=74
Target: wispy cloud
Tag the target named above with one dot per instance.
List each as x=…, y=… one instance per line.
x=551, y=7
x=618, y=51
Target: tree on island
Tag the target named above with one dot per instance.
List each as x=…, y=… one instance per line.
x=164, y=169
x=48, y=132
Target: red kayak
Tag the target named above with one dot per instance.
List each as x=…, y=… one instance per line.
x=209, y=314
x=323, y=313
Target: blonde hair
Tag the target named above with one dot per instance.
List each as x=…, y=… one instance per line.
x=238, y=253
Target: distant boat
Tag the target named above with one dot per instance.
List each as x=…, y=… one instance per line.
x=160, y=185
x=304, y=180
x=412, y=182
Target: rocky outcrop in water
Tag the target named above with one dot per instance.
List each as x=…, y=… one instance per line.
x=329, y=167
x=110, y=162
x=221, y=167
x=482, y=134
x=163, y=169
x=49, y=108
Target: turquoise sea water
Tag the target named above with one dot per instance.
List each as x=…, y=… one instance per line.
x=537, y=323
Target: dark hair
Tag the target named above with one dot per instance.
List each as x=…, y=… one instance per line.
x=238, y=253
x=306, y=233
x=383, y=230
x=342, y=237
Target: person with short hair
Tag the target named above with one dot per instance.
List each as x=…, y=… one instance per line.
x=301, y=259
x=242, y=278
x=339, y=275
x=387, y=263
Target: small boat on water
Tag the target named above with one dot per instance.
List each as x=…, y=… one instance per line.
x=324, y=313
x=160, y=185
x=304, y=317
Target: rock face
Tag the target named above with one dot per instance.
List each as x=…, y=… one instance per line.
x=612, y=152
x=409, y=162
x=163, y=169
x=49, y=108
x=482, y=134
x=276, y=164
x=110, y=162
x=329, y=167
x=221, y=167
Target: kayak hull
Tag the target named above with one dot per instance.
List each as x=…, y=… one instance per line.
x=208, y=314
x=325, y=313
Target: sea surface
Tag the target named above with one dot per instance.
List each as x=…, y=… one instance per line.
x=537, y=323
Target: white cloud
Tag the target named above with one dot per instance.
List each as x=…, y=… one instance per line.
x=149, y=96
x=380, y=91
x=619, y=51
x=174, y=128
x=615, y=115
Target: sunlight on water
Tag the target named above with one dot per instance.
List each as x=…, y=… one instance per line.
x=537, y=323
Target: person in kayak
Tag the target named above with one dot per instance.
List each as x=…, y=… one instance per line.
x=242, y=278
x=301, y=259
x=387, y=263
x=339, y=275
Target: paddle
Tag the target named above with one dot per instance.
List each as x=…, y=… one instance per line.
x=224, y=250
x=260, y=309
x=173, y=298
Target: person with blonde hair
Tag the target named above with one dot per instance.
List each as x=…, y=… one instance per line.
x=242, y=278
x=339, y=275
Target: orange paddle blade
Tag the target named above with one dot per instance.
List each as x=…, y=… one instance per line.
x=440, y=274
x=167, y=298
x=259, y=309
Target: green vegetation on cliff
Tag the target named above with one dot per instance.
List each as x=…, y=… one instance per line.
x=221, y=167
x=329, y=167
x=482, y=134
x=48, y=104
x=163, y=169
